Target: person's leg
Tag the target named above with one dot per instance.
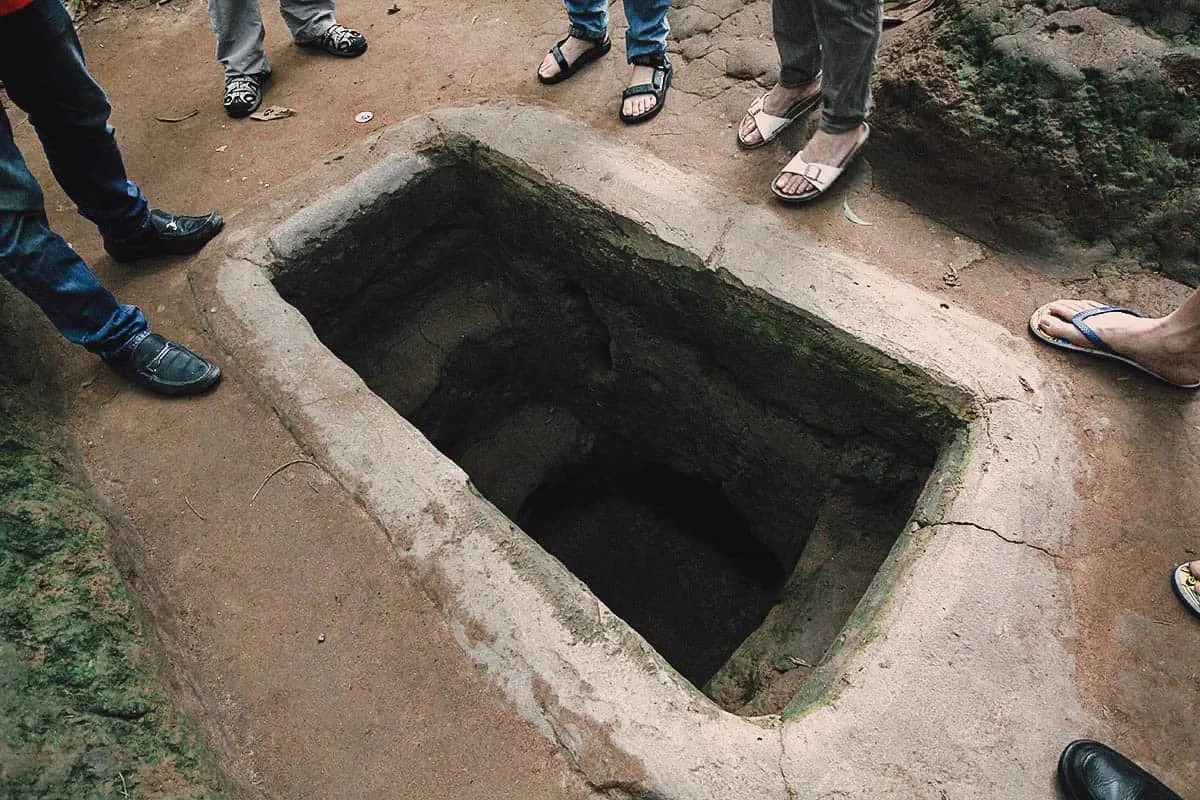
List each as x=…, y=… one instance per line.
x=41, y=66
x=588, y=31
x=1166, y=346
x=312, y=25
x=307, y=19
x=849, y=32
x=645, y=48
x=44, y=268
x=794, y=23
x=240, y=32
x=648, y=28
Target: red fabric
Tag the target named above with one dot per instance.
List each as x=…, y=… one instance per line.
x=9, y=6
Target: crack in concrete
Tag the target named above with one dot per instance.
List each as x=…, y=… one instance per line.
x=787, y=787
x=996, y=533
x=718, y=250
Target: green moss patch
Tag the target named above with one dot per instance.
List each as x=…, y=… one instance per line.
x=83, y=712
x=1129, y=148
x=1104, y=151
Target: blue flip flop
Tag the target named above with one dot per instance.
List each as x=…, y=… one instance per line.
x=1099, y=346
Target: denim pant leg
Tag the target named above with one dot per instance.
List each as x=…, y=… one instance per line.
x=307, y=19
x=41, y=265
x=589, y=18
x=794, y=23
x=839, y=38
x=239, y=28
x=42, y=68
x=648, y=28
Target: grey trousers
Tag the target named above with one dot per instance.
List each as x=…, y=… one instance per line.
x=837, y=39
x=239, y=28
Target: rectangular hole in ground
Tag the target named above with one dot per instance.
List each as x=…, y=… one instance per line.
x=724, y=473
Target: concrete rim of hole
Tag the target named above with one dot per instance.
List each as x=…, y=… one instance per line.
x=958, y=655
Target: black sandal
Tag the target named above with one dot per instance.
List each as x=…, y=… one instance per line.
x=659, y=83
x=566, y=69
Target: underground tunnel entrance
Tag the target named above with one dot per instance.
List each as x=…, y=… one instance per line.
x=725, y=473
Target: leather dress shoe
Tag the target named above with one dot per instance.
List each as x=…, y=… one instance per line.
x=166, y=235
x=1088, y=770
x=165, y=367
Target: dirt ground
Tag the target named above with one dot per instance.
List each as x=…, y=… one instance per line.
x=319, y=668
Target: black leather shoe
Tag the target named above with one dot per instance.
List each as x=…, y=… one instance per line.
x=168, y=235
x=165, y=367
x=1088, y=770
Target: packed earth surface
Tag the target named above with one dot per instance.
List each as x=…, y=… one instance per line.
x=306, y=654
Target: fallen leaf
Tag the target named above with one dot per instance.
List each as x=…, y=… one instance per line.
x=850, y=215
x=272, y=112
x=222, y=148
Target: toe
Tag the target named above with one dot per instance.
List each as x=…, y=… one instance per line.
x=748, y=131
x=1056, y=322
x=791, y=184
x=1059, y=329
x=1065, y=309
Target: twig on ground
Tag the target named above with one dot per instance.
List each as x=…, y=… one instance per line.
x=188, y=115
x=193, y=508
x=280, y=469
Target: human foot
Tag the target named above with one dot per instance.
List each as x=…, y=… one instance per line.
x=775, y=110
x=1187, y=585
x=1166, y=347
x=647, y=90
x=819, y=164
x=165, y=367
x=569, y=55
x=339, y=41
x=244, y=93
x=166, y=234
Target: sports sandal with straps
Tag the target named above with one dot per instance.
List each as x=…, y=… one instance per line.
x=819, y=176
x=659, y=83
x=568, y=68
x=770, y=126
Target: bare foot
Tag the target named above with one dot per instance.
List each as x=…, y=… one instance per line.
x=831, y=149
x=776, y=103
x=639, y=104
x=1162, y=345
x=572, y=49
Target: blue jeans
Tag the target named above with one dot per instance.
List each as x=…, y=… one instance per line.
x=41, y=66
x=647, y=32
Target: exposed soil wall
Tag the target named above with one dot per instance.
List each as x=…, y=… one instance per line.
x=1043, y=125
